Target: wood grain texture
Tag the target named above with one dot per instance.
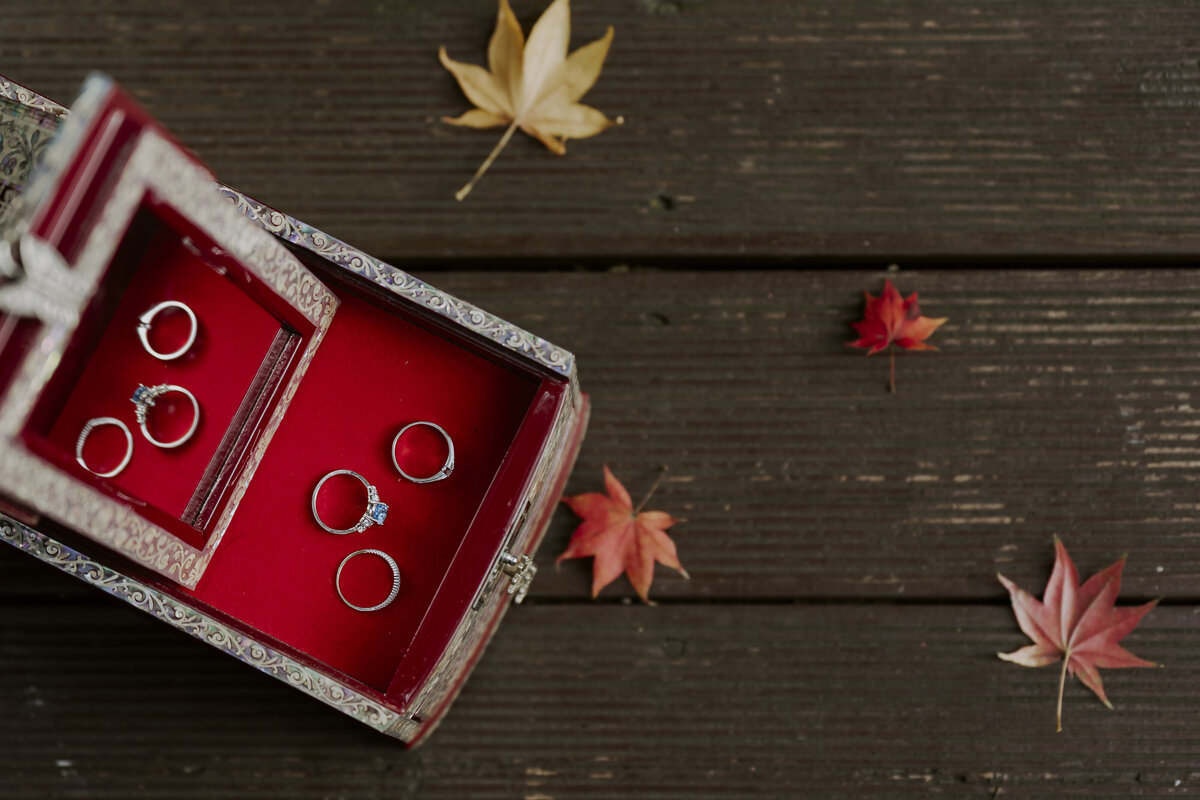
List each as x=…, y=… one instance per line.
x=1060, y=403
x=769, y=131
x=837, y=637
x=668, y=702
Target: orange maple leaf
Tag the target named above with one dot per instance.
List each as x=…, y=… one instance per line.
x=1079, y=624
x=891, y=320
x=622, y=538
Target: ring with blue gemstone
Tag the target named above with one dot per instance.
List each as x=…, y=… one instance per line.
x=375, y=514
x=145, y=397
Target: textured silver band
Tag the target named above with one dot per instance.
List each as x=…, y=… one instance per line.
x=146, y=321
x=391, y=562
x=98, y=422
x=447, y=467
x=375, y=514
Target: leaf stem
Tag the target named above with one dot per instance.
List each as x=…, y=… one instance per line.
x=662, y=474
x=487, y=162
x=1062, y=680
x=892, y=359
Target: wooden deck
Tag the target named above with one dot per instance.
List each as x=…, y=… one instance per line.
x=1032, y=168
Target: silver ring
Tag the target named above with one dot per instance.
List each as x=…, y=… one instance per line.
x=375, y=514
x=391, y=562
x=447, y=467
x=98, y=422
x=146, y=320
x=144, y=398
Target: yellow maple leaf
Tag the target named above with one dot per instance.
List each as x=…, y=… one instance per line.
x=532, y=85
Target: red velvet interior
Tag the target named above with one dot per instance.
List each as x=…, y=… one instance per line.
x=235, y=334
x=375, y=372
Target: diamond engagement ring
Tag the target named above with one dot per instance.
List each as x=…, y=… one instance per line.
x=375, y=514
x=98, y=422
x=446, y=468
x=145, y=397
x=391, y=562
x=146, y=320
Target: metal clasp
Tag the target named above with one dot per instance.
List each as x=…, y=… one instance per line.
x=520, y=572
x=519, y=569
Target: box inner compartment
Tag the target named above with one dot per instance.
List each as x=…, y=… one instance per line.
x=376, y=371
x=242, y=353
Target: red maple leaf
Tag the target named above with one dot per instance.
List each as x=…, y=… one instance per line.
x=892, y=321
x=622, y=538
x=1079, y=624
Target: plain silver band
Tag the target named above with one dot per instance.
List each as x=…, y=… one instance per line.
x=442, y=473
x=167, y=389
x=146, y=320
x=90, y=426
x=391, y=562
x=343, y=531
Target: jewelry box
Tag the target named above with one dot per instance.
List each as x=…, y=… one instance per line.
x=298, y=454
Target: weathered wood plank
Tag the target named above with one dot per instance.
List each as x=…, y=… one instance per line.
x=772, y=130
x=699, y=702
x=1061, y=403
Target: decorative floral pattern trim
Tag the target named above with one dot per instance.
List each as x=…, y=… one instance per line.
x=27, y=97
x=25, y=134
x=198, y=625
x=401, y=283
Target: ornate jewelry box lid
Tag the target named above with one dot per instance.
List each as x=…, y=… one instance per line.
x=116, y=210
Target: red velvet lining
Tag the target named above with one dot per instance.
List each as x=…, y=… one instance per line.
x=375, y=372
x=235, y=333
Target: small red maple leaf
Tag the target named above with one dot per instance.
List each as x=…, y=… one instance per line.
x=622, y=538
x=1079, y=624
x=892, y=321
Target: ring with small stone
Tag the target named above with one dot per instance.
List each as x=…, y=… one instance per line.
x=391, y=562
x=146, y=320
x=99, y=422
x=375, y=514
x=446, y=467
x=145, y=397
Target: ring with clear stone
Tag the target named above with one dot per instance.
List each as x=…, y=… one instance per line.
x=98, y=422
x=145, y=397
x=375, y=514
x=391, y=562
x=146, y=320
x=446, y=468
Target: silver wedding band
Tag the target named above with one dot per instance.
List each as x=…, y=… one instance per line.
x=391, y=562
x=146, y=321
x=99, y=422
x=446, y=468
